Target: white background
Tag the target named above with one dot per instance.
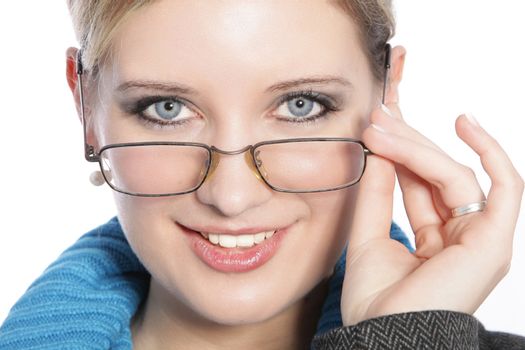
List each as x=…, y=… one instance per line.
x=463, y=56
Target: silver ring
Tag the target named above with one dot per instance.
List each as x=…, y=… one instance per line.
x=469, y=208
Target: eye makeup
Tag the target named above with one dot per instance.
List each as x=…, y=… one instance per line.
x=328, y=105
x=140, y=106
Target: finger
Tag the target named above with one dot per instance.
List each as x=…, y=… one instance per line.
x=393, y=110
x=389, y=117
x=504, y=198
x=417, y=193
x=421, y=212
x=456, y=183
x=418, y=199
x=429, y=242
x=376, y=190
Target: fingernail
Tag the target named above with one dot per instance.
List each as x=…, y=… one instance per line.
x=386, y=110
x=471, y=119
x=378, y=128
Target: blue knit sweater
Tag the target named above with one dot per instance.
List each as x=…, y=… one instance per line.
x=86, y=299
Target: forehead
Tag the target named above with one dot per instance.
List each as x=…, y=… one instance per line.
x=236, y=39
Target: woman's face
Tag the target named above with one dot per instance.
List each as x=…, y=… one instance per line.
x=237, y=61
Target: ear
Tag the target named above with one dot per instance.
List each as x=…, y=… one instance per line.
x=71, y=75
x=72, y=81
x=397, y=62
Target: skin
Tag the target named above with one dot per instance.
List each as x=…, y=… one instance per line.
x=234, y=51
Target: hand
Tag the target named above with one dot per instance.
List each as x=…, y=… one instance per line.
x=458, y=261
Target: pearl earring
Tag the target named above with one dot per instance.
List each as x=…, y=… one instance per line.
x=96, y=178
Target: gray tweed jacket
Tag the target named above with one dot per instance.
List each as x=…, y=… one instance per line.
x=434, y=330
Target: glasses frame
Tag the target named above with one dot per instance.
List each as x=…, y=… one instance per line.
x=93, y=156
x=212, y=149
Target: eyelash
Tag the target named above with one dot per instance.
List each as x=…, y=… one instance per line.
x=140, y=106
x=327, y=105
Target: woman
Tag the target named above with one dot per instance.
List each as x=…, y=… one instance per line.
x=241, y=242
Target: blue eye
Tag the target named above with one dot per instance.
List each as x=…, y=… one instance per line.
x=164, y=111
x=300, y=106
x=303, y=106
x=168, y=110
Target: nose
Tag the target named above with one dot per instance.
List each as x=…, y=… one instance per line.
x=233, y=185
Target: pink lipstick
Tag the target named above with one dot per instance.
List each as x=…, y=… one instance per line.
x=234, y=258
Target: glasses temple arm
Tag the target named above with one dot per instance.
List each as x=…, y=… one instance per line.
x=89, y=151
x=387, y=69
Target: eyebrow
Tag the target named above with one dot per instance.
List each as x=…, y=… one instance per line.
x=317, y=80
x=175, y=88
x=178, y=88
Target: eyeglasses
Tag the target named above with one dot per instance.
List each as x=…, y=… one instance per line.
x=156, y=169
x=299, y=165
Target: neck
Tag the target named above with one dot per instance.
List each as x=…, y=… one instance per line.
x=154, y=327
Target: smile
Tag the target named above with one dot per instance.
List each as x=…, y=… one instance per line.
x=235, y=251
x=241, y=241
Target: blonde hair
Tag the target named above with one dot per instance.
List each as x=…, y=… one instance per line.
x=376, y=24
x=96, y=21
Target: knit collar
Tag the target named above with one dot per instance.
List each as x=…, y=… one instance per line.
x=88, y=296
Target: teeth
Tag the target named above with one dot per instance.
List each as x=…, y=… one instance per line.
x=259, y=237
x=230, y=241
x=227, y=241
x=245, y=240
x=213, y=238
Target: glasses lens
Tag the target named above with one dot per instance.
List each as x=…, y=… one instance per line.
x=310, y=165
x=154, y=169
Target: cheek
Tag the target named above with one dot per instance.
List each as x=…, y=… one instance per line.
x=146, y=223
x=330, y=224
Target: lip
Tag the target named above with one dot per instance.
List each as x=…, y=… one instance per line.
x=234, y=259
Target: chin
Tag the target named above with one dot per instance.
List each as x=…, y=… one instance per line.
x=237, y=302
x=235, y=313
